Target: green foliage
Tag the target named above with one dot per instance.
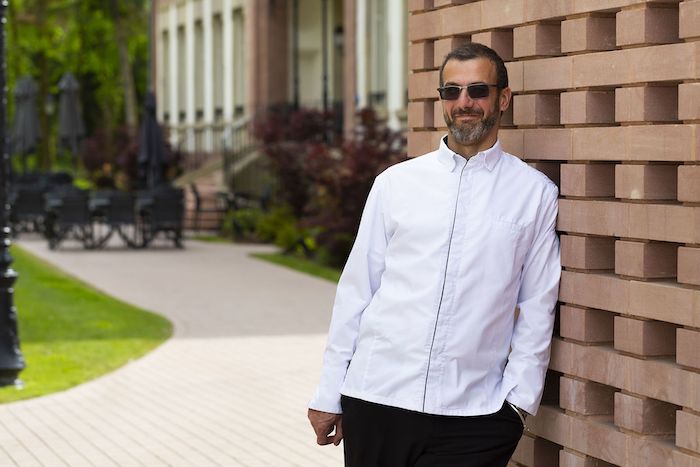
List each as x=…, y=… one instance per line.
x=304, y=265
x=71, y=333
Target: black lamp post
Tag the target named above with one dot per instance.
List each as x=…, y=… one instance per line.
x=11, y=359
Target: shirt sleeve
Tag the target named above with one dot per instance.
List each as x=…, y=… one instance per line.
x=539, y=290
x=358, y=283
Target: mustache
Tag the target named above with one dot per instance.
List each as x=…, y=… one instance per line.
x=468, y=112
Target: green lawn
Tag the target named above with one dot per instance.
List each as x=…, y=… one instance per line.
x=71, y=333
x=301, y=265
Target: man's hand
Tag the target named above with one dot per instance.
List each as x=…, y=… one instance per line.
x=323, y=424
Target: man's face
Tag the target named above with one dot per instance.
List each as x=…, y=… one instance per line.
x=471, y=121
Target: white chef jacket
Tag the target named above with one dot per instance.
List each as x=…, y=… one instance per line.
x=424, y=316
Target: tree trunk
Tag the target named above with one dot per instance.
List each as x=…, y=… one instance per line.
x=125, y=69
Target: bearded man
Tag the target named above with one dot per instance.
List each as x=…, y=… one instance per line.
x=427, y=362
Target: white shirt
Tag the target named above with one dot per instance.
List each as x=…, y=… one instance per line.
x=424, y=316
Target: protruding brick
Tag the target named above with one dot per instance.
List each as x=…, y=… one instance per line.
x=689, y=100
x=445, y=46
x=420, y=114
x=441, y=3
x=438, y=116
x=536, y=109
x=423, y=85
x=415, y=6
x=653, y=260
x=594, y=180
x=689, y=19
x=547, y=74
x=499, y=40
x=644, y=415
x=688, y=347
x=536, y=451
x=537, y=40
x=689, y=183
x=578, y=107
x=647, y=26
x=420, y=142
x=515, y=76
x=588, y=34
x=688, y=430
x=645, y=338
x=461, y=19
x=420, y=55
x=586, y=325
x=652, y=182
x=547, y=143
x=569, y=458
x=689, y=265
x=646, y=104
x=586, y=397
x=591, y=253
x=426, y=25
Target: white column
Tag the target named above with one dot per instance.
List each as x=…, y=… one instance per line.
x=361, y=54
x=395, y=62
x=208, y=29
x=227, y=31
x=174, y=78
x=191, y=108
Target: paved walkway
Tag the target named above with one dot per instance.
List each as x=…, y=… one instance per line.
x=230, y=388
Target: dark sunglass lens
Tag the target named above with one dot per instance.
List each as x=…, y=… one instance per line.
x=451, y=93
x=478, y=91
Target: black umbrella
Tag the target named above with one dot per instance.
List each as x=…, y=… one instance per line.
x=70, y=121
x=25, y=131
x=151, y=158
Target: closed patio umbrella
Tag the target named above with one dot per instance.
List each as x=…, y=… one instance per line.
x=70, y=121
x=25, y=130
x=151, y=158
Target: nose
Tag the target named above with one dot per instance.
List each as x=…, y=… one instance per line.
x=464, y=98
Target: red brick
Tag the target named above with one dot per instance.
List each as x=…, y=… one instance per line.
x=419, y=142
x=536, y=451
x=689, y=265
x=420, y=114
x=427, y=25
x=547, y=143
x=644, y=415
x=647, y=25
x=423, y=85
x=588, y=34
x=502, y=13
x=689, y=100
x=515, y=76
x=688, y=430
x=611, y=293
x=536, y=109
x=646, y=104
x=689, y=183
x=586, y=397
x=664, y=302
x=580, y=107
x=547, y=74
x=595, y=180
x=463, y=19
x=680, y=224
x=537, y=40
x=607, y=218
x=689, y=19
x=420, y=55
x=644, y=338
x=569, y=458
x=651, y=182
x=548, y=10
x=442, y=3
x=550, y=169
x=445, y=46
x=586, y=325
x=688, y=347
x=591, y=253
x=512, y=141
x=645, y=260
x=438, y=116
x=499, y=40
x=415, y=6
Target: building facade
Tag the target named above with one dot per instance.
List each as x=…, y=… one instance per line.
x=218, y=61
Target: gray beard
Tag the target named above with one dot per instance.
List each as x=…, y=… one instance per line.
x=469, y=134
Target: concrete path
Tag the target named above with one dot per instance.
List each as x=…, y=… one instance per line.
x=230, y=388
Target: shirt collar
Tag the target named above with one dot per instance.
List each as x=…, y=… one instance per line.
x=451, y=159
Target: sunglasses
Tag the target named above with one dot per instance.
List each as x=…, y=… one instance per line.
x=475, y=91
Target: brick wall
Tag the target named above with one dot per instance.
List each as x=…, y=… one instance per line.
x=607, y=104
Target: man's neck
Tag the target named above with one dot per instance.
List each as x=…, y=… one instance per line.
x=467, y=151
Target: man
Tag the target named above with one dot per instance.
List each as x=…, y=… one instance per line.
x=427, y=362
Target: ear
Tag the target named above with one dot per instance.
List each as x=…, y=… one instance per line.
x=504, y=99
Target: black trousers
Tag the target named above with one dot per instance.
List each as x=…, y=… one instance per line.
x=376, y=435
